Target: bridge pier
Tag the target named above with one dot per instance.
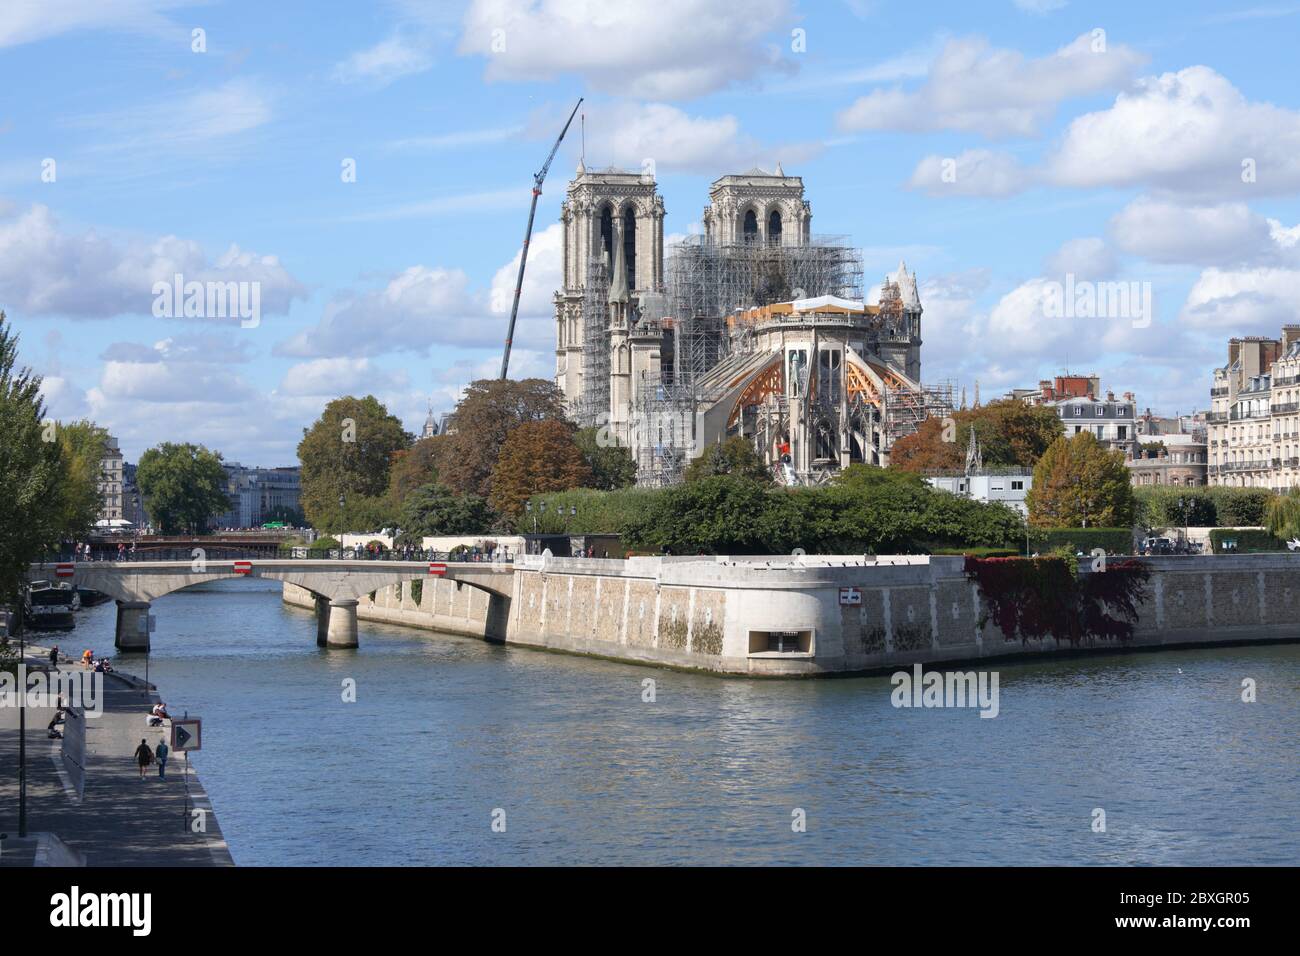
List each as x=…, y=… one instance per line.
x=132, y=633
x=342, y=623
x=322, y=619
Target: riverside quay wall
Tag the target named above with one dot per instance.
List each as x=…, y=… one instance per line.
x=807, y=615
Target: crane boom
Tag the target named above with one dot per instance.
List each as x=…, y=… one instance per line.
x=538, y=178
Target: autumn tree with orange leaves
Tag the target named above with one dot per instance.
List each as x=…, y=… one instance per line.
x=537, y=457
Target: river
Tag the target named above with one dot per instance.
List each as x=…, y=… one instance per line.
x=445, y=731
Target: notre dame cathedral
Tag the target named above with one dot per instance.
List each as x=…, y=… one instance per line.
x=754, y=328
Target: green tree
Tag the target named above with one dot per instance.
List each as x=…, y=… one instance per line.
x=612, y=466
x=537, y=457
x=81, y=449
x=1010, y=434
x=30, y=469
x=477, y=430
x=434, y=509
x=1079, y=483
x=348, y=452
x=1283, y=517
x=719, y=514
x=414, y=468
x=183, y=486
x=734, y=456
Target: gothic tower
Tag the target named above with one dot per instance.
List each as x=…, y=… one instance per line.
x=758, y=206
x=603, y=208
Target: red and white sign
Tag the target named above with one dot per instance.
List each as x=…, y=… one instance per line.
x=243, y=567
x=64, y=570
x=851, y=597
x=437, y=569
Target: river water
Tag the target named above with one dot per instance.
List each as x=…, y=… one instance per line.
x=446, y=731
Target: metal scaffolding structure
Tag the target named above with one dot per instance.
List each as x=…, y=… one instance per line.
x=593, y=401
x=708, y=281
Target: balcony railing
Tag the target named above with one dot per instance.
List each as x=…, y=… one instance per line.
x=1286, y=408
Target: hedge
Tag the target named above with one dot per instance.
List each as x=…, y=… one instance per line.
x=1249, y=541
x=1110, y=540
x=1215, y=506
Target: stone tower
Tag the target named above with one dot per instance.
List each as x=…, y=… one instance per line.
x=758, y=206
x=603, y=208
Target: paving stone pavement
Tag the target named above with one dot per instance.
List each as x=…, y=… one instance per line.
x=122, y=821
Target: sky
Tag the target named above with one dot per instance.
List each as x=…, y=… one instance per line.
x=367, y=167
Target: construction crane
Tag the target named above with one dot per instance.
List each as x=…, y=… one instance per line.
x=538, y=179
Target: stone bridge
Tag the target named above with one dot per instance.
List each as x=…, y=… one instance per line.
x=337, y=585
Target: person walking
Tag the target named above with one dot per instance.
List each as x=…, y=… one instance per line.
x=143, y=756
x=54, y=656
x=161, y=752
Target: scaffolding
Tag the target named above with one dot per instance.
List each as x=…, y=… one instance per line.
x=593, y=398
x=709, y=281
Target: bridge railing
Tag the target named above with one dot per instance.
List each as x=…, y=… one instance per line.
x=414, y=555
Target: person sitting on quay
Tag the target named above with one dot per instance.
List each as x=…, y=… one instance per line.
x=158, y=714
x=88, y=658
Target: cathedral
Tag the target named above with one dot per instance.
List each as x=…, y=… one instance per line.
x=756, y=329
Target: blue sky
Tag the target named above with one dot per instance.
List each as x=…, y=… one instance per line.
x=1104, y=141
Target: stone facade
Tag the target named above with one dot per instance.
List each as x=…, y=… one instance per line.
x=1254, y=419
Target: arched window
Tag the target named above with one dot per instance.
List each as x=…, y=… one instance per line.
x=774, y=228
x=751, y=226
x=607, y=233
x=629, y=245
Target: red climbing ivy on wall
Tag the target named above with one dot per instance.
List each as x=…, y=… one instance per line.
x=1034, y=598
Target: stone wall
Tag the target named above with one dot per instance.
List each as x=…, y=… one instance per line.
x=784, y=616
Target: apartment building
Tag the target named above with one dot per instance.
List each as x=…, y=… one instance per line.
x=1253, y=427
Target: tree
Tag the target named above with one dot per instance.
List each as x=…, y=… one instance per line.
x=30, y=469
x=81, y=449
x=1283, y=518
x=484, y=418
x=414, y=468
x=183, y=486
x=1010, y=434
x=926, y=450
x=434, y=509
x=612, y=466
x=537, y=457
x=1079, y=483
x=734, y=456
x=719, y=514
x=348, y=452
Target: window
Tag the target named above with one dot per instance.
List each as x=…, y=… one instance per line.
x=751, y=226
x=1017, y=486
x=774, y=228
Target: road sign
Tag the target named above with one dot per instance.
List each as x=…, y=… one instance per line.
x=64, y=570
x=243, y=567
x=187, y=734
x=438, y=569
x=851, y=597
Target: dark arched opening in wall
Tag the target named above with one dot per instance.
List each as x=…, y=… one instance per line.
x=607, y=234
x=774, y=228
x=750, y=228
x=629, y=245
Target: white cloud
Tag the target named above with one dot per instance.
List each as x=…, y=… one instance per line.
x=628, y=134
x=976, y=172
x=26, y=21
x=45, y=270
x=973, y=87
x=424, y=307
x=386, y=61
x=186, y=121
x=1188, y=132
x=330, y=377
x=1243, y=301
x=1087, y=258
x=664, y=50
x=1220, y=234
